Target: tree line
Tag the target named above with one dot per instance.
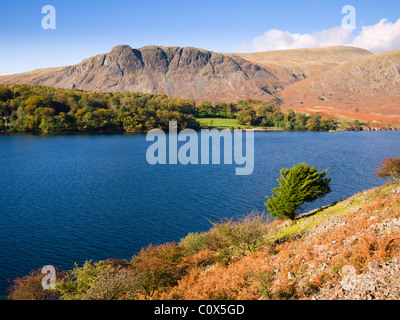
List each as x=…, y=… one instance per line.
x=30, y=108
x=36, y=108
x=263, y=115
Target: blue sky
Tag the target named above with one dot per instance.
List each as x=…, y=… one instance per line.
x=87, y=28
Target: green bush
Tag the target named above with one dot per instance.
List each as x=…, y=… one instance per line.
x=238, y=238
x=115, y=284
x=195, y=242
x=76, y=284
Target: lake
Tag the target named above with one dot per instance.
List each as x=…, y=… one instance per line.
x=72, y=198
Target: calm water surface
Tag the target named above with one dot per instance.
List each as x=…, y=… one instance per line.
x=66, y=199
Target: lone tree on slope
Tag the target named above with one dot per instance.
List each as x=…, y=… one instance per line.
x=298, y=185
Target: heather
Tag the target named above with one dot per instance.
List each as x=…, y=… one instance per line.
x=251, y=258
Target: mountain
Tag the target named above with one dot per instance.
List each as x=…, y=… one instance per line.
x=304, y=63
x=338, y=82
x=185, y=72
x=367, y=88
x=191, y=72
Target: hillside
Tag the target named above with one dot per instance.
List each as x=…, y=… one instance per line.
x=191, y=72
x=304, y=63
x=349, y=250
x=178, y=72
x=315, y=256
x=342, y=83
x=365, y=89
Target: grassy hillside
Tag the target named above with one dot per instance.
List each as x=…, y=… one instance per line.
x=365, y=89
x=254, y=258
x=306, y=62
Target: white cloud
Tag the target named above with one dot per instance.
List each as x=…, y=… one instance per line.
x=279, y=40
x=384, y=36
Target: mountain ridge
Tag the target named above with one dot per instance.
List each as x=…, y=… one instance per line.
x=187, y=72
x=370, y=85
x=332, y=80
x=307, y=62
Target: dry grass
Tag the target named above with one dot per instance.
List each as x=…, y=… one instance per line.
x=249, y=259
x=299, y=268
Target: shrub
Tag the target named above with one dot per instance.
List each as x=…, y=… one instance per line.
x=202, y=259
x=195, y=242
x=370, y=248
x=75, y=285
x=113, y=284
x=389, y=168
x=233, y=282
x=30, y=287
x=239, y=238
x=160, y=266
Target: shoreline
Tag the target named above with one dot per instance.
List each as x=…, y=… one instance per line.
x=322, y=240
x=77, y=133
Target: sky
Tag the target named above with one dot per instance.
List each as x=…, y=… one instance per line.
x=86, y=28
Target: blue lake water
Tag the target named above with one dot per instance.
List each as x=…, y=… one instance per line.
x=66, y=199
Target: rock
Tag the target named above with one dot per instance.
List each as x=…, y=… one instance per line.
x=396, y=190
x=373, y=82
x=373, y=266
x=291, y=276
x=188, y=73
x=281, y=241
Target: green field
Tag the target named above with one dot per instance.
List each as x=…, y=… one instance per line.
x=218, y=123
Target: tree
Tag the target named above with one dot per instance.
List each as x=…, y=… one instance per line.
x=5, y=94
x=267, y=121
x=290, y=115
x=246, y=117
x=65, y=121
x=298, y=185
x=314, y=122
x=230, y=110
x=328, y=124
x=205, y=109
x=357, y=125
x=35, y=102
x=301, y=121
x=389, y=168
x=47, y=122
